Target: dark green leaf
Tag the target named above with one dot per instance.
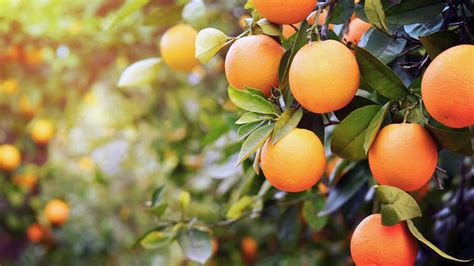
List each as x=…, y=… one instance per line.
x=252, y=118
x=356, y=103
x=247, y=129
x=286, y=123
x=386, y=49
x=157, y=195
x=250, y=102
x=288, y=227
x=196, y=244
x=397, y=205
x=254, y=141
x=374, y=126
x=346, y=188
x=375, y=14
x=313, y=122
x=342, y=12
x=456, y=140
x=421, y=29
x=408, y=12
x=379, y=76
x=158, y=209
x=439, y=41
x=311, y=208
x=414, y=231
x=348, y=138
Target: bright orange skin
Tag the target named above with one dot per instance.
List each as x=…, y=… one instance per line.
x=10, y=157
x=324, y=76
x=56, y=211
x=296, y=162
x=357, y=28
x=373, y=243
x=35, y=233
x=403, y=156
x=284, y=11
x=177, y=47
x=25, y=180
x=249, y=248
x=42, y=131
x=253, y=61
x=447, y=88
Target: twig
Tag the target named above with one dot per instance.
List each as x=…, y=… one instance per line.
x=325, y=26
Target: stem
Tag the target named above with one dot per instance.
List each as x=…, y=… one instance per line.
x=405, y=117
x=325, y=26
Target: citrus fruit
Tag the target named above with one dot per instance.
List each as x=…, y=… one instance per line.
x=403, y=156
x=447, y=87
x=249, y=248
x=324, y=76
x=42, y=131
x=25, y=180
x=177, y=47
x=357, y=28
x=10, y=157
x=286, y=164
x=29, y=105
x=284, y=11
x=373, y=243
x=56, y=211
x=253, y=61
x=35, y=233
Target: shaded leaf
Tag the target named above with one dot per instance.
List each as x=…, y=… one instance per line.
x=355, y=103
x=416, y=30
x=269, y=28
x=196, y=244
x=287, y=121
x=254, y=141
x=439, y=41
x=208, y=43
x=288, y=227
x=396, y=205
x=313, y=122
x=348, y=138
x=250, y=102
x=157, y=195
x=408, y=12
x=310, y=213
x=342, y=12
x=380, y=45
x=456, y=140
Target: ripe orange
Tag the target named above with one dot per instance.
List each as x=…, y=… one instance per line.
x=10, y=157
x=376, y=244
x=42, y=131
x=324, y=76
x=56, y=211
x=357, y=28
x=447, y=88
x=288, y=30
x=403, y=156
x=284, y=11
x=296, y=162
x=28, y=106
x=35, y=233
x=25, y=180
x=249, y=248
x=177, y=47
x=253, y=61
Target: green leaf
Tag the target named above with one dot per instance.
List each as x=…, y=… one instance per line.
x=184, y=200
x=250, y=102
x=256, y=162
x=379, y=76
x=157, y=195
x=348, y=138
x=347, y=187
x=208, y=43
x=269, y=28
x=157, y=239
x=374, y=127
x=356, y=103
x=375, y=14
x=254, y=91
x=310, y=213
x=285, y=63
x=286, y=123
x=342, y=12
x=196, y=244
x=254, y=141
x=127, y=8
x=288, y=227
x=380, y=45
x=439, y=41
x=396, y=205
x=158, y=209
x=414, y=231
x=237, y=209
x=140, y=73
x=409, y=12
x=252, y=117
x=194, y=13
x=247, y=129
x=455, y=140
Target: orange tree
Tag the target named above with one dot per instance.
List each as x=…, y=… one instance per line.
x=384, y=86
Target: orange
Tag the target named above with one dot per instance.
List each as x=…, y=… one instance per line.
x=324, y=76
x=25, y=180
x=376, y=244
x=249, y=248
x=287, y=31
x=296, y=162
x=10, y=157
x=447, y=88
x=42, y=131
x=284, y=11
x=253, y=61
x=56, y=211
x=403, y=156
x=34, y=56
x=177, y=47
x=35, y=233
x=357, y=28
x=28, y=105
